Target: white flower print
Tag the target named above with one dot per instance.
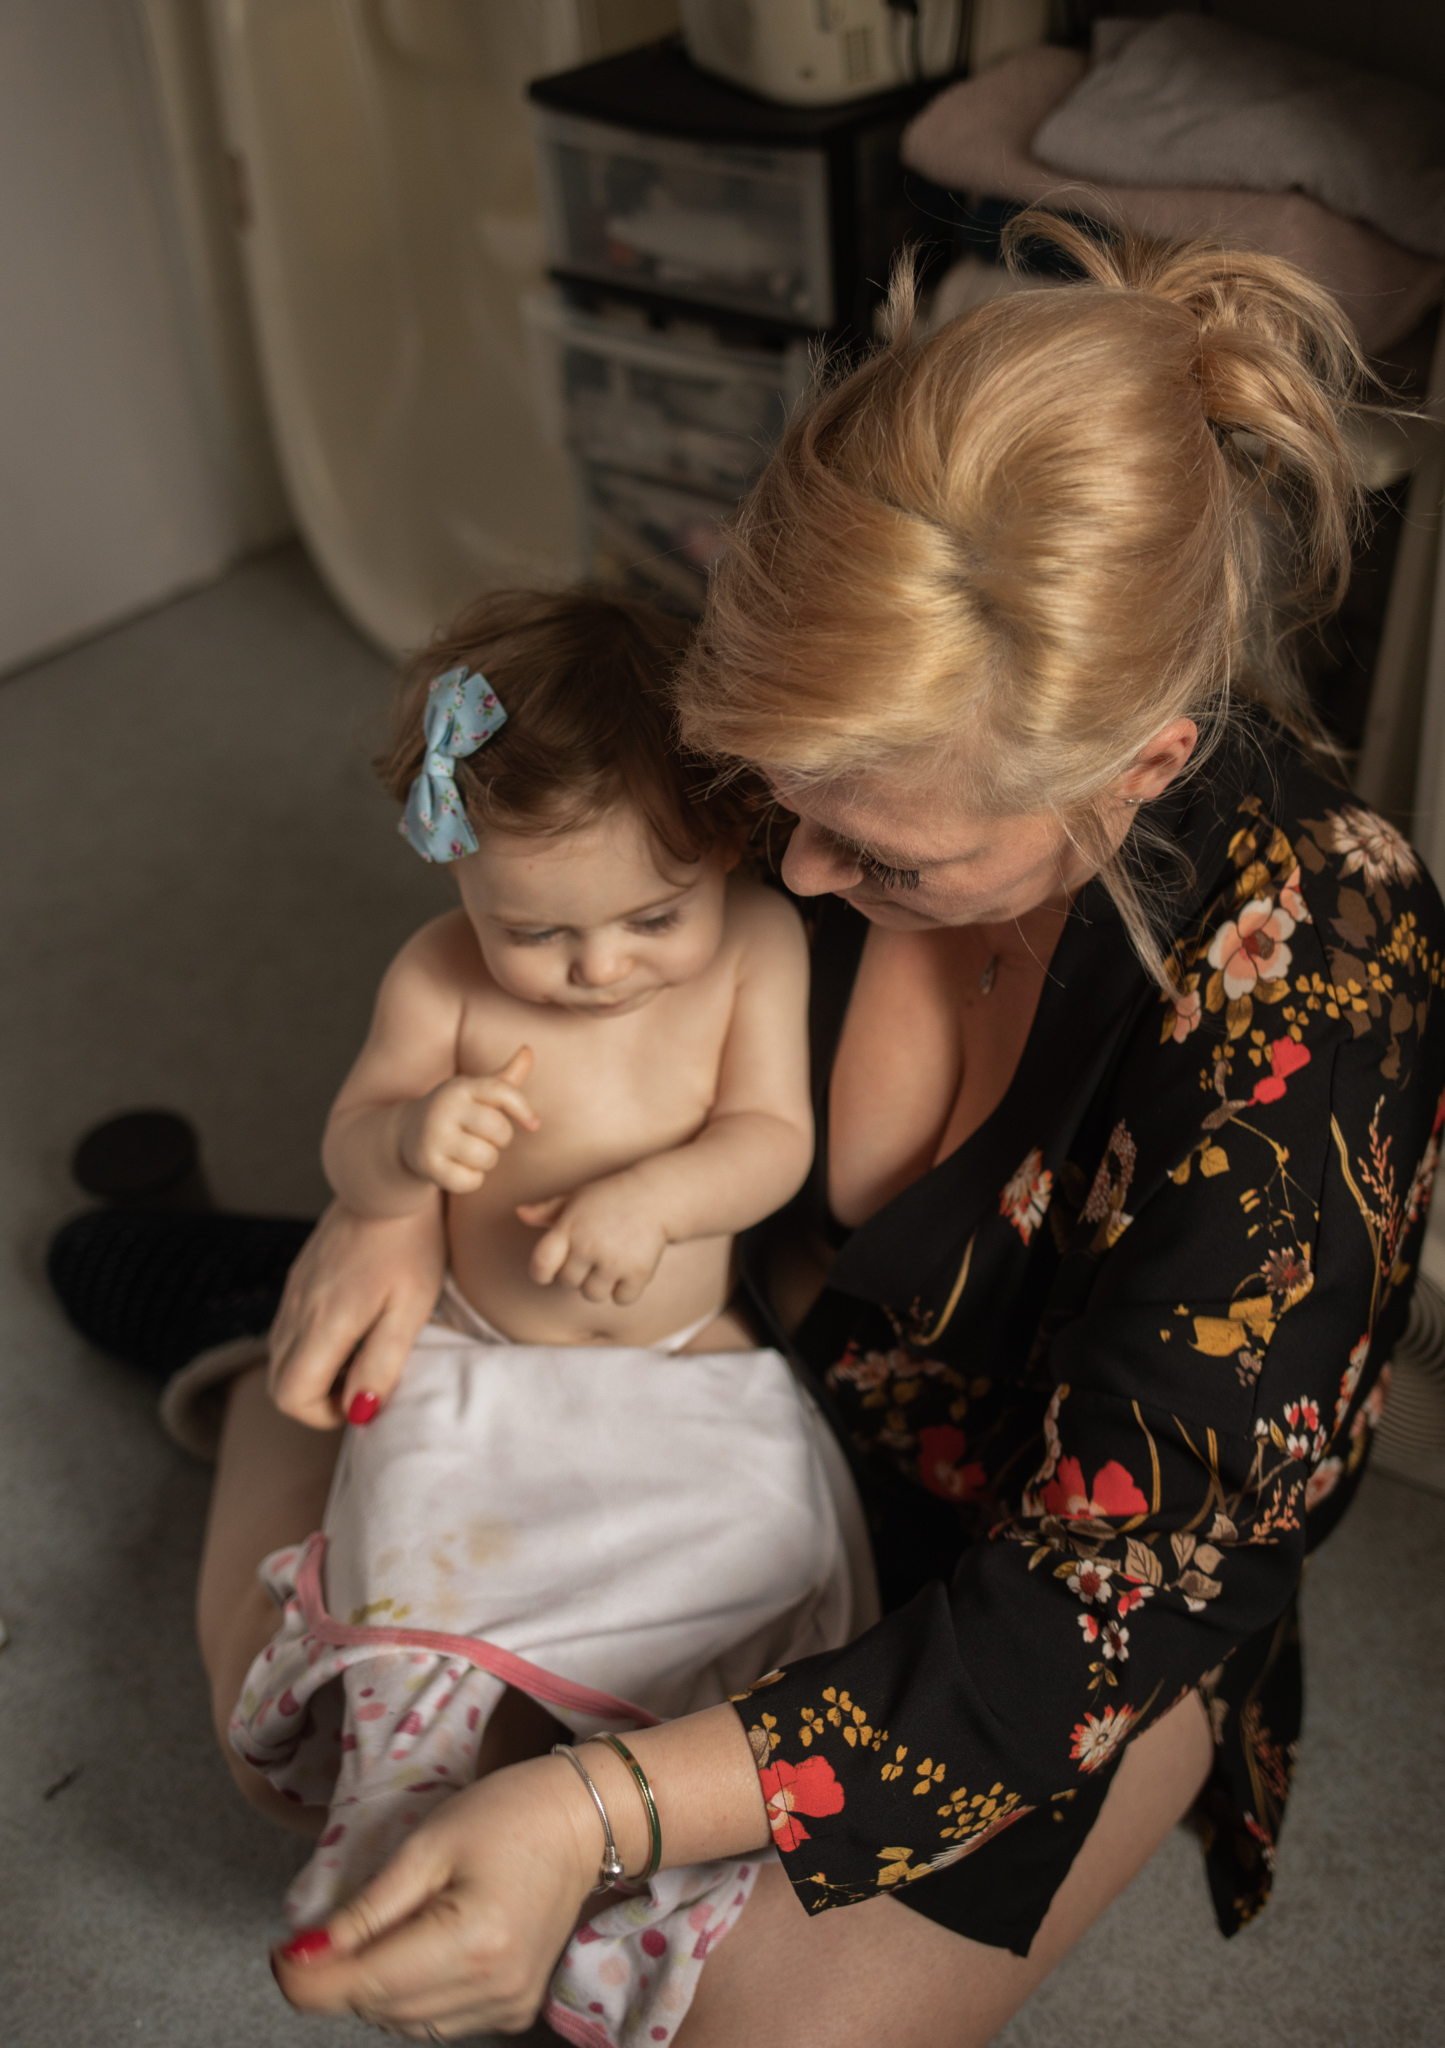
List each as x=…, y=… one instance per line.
x=1090, y=1580
x=1371, y=845
x=1251, y=948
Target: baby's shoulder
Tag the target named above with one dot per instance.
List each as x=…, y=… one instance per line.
x=763, y=924
x=442, y=957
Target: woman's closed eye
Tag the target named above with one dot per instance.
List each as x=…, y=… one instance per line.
x=887, y=877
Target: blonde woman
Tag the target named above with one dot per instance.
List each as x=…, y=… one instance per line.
x=1128, y=1057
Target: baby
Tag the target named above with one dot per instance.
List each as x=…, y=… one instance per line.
x=588, y=1483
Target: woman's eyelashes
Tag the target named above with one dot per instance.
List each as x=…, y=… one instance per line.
x=886, y=877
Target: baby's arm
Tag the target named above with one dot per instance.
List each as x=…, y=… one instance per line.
x=406, y=1122
x=751, y=1155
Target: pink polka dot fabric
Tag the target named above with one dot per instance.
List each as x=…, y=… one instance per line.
x=628, y=1977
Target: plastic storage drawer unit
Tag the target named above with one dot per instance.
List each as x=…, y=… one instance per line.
x=662, y=183
x=650, y=537
x=745, y=229
x=680, y=408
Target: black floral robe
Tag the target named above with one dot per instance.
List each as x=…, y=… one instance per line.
x=1111, y=1369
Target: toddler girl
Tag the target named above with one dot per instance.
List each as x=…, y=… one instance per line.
x=587, y=1484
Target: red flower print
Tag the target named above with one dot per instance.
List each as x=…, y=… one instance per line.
x=1113, y=1492
x=809, y=1787
x=1286, y=1057
x=940, y=1448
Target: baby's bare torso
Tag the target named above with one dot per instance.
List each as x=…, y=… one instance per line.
x=608, y=1091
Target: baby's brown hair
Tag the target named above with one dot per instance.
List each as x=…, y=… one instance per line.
x=584, y=679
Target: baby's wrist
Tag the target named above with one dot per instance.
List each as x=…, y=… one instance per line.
x=408, y=1132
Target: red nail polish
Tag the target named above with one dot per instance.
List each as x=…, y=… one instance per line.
x=363, y=1408
x=311, y=1941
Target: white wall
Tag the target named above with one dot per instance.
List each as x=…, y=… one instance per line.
x=117, y=486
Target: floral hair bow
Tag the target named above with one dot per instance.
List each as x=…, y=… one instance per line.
x=461, y=715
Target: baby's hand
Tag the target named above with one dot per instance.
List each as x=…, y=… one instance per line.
x=455, y=1136
x=606, y=1240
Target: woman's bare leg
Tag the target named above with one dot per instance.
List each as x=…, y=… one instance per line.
x=878, y=1972
x=272, y=1479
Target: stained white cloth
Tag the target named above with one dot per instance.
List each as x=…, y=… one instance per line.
x=1190, y=101
x=654, y=1526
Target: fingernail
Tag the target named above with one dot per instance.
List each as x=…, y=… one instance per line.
x=310, y=1942
x=363, y=1408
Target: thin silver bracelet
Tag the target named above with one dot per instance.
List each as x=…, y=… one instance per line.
x=611, y=1871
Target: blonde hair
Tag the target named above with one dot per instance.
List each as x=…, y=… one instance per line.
x=1027, y=542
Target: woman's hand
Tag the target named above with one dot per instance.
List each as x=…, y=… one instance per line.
x=464, y=1926
x=361, y=1290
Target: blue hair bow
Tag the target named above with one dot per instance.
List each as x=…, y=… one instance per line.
x=461, y=716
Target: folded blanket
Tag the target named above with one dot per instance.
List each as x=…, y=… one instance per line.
x=976, y=137
x=1190, y=101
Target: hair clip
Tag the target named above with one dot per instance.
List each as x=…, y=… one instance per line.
x=462, y=714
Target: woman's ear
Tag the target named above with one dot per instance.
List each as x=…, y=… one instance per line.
x=1160, y=762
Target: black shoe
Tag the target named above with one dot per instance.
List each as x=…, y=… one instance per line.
x=154, y=1287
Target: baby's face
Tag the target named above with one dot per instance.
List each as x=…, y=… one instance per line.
x=597, y=921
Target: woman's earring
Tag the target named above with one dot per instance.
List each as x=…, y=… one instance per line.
x=1133, y=801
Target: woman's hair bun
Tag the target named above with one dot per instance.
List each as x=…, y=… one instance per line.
x=1277, y=366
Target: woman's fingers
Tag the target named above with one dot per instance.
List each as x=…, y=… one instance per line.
x=429, y=1965
x=303, y=1365
x=379, y=1361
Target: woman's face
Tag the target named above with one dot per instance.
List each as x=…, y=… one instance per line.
x=907, y=864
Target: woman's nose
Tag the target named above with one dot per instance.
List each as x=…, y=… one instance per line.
x=816, y=862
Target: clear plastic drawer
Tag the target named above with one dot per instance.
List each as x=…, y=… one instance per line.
x=684, y=408
x=650, y=536
x=741, y=228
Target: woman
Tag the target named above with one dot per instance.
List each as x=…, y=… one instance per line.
x=1128, y=1068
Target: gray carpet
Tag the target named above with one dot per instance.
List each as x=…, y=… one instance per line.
x=199, y=885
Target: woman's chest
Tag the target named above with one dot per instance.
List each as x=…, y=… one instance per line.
x=933, y=1033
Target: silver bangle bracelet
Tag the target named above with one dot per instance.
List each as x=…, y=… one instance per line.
x=611, y=1871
